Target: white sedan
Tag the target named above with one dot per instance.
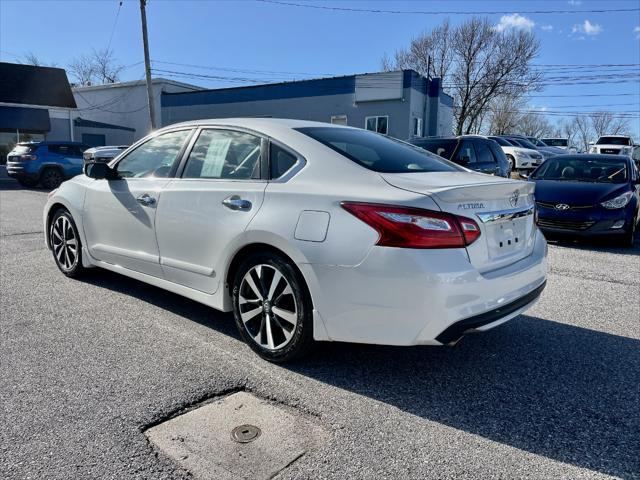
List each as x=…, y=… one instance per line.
x=307, y=232
x=521, y=160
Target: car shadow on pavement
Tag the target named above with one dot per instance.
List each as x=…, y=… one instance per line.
x=605, y=245
x=568, y=393
x=564, y=392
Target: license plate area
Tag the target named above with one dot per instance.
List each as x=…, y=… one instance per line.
x=507, y=238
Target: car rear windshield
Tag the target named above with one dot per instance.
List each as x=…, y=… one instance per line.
x=613, y=141
x=23, y=149
x=583, y=169
x=555, y=142
x=378, y=152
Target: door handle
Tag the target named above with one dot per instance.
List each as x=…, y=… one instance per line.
x=234, y=202
x=146, y=200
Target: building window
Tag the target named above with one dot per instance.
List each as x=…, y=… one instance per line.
x=417, y=127
x=377, y=124
x=339, y=119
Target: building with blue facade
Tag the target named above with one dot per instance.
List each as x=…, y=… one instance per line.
x=401, y=104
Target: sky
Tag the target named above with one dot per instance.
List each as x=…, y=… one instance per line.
x=246, y=41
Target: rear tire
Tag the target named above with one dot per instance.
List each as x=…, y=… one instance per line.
x=65, y=244
x=272, y=308
x=51, y=178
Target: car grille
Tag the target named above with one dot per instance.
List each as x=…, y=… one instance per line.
x=571, y=207
x=614, y=151
x=564, y=224
x=536, y=156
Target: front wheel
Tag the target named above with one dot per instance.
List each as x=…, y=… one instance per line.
x=272, y=308
x=65, y=244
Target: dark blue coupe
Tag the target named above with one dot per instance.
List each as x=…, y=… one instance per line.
x=588, y=195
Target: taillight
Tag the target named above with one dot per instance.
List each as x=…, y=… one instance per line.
x=408, y=227
x=29, y=157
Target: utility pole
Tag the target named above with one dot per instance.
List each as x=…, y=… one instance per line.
x=147, y=64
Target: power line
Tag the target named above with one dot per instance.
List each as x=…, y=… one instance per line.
x=450, y=12
x=113, y=29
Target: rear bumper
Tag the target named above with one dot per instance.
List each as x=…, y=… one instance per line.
x=20, y=171
x=420, y=297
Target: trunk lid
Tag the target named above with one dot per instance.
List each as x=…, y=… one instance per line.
x=503, y=209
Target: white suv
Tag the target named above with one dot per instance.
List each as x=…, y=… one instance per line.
x=613, y=145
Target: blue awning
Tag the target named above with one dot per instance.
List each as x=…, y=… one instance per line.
x=34, y=120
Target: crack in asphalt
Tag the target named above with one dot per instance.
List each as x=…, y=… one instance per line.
x=39, y=232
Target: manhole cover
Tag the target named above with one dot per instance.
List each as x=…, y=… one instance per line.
x=245, y=433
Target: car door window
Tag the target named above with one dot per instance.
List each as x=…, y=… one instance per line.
x=224, y=154
x=155, y=157
x=466, y=150
x=483, y=153
x=281, y=161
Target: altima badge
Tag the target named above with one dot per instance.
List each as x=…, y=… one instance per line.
x=513, y=199
x=562, y=206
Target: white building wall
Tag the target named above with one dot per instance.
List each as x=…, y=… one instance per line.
x=125, y=104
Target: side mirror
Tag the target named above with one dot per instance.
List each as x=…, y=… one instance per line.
x=99, y=171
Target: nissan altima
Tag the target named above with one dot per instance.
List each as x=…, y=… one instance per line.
x=307, y=232
x=589, y=195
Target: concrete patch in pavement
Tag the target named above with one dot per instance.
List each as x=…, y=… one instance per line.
x=203, y=440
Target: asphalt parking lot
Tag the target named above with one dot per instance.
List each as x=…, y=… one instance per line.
x=87, y=366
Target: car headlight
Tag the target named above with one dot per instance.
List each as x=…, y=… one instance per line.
x=593, y=150
x=520, y=154
x=618, y=202
x=625, y=151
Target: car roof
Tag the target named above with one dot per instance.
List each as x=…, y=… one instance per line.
x=50, y=142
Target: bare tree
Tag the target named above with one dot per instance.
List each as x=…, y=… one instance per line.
x=99, y=67
x=477, y=64
x=31, y=58
x=583, y=132
x=504, y=114
x=534, y=125
x=106, y=69
x=605, y=123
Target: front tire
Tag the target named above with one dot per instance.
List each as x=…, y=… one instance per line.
x=272, y=308
x=65, y=244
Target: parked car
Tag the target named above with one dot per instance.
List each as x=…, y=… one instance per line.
x=613, y=144
x=521, y=160
x=471, y=151
x=45, y=163
x=559, y=142
x=540, y=145
x=525, y=143
x=307, y=231
x=588, y=195
x=103, y=154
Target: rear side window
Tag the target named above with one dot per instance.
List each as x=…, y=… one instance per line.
x=377, y=152
x=442, y=147
x=60, y=149
x=224, y=154
x=483, y=152
x=466, y=153
x=280, y=161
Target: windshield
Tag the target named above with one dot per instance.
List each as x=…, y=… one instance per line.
x=536, y=142
x=613, y=141
x=501, y=141
x=582, y=169
x=555, y=142
x=378, y=152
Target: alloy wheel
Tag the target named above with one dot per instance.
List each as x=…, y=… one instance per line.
x=268, y=307
x=64, y=243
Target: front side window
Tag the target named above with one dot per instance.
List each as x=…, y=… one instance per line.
x=224, y=154
x=377, y=124
x=377, y=152
x=155, y=157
